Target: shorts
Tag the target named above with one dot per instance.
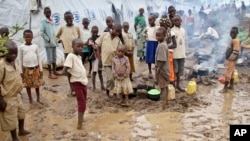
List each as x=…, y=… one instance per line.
x=230, y=67
x=95, y=65
x=51, y=55
x=123, y=86
x=179, y=66
x=32, y=77
x=13, y=112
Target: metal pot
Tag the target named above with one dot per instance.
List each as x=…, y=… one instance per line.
x=203, y=72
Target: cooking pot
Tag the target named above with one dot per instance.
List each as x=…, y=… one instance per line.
x=154, y=94
x=203, y=72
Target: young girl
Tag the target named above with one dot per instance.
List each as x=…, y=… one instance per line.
x=77, y=75
x=231, y=56
x=30, y=63
x=129, y=45
x=107, y=44
x=86, y=34
x=121, y=70
x=96, y=67
x=151, y=44
x=162, y=65
x=171, y=42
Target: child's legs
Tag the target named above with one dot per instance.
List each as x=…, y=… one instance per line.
x=90, y=66
x=93, y=79
x=49, y=53
x=81, y=94
x=28, y=89
x=37, y=95
x=53, y=54
x=84, y=56
x=149, y=68
x=101, y=79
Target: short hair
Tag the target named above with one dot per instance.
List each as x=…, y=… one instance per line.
x=152, y=16
x=109, y=18
x=171, y=7
x=85, y=19
x=236, y=29
x=4, y=30
x=68, y=12
x=27, y=31
x=162, y=30
x=94, y=27
x=125, y=23
x=46, y=8
x=75, y=41
x=9, y=44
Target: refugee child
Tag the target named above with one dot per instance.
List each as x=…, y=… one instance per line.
x=95, y=62
x=232, y=54
x=179, y=51
x=107, y=44
x=129, y=45
x=121, y=71
x=11, y=106
x=86, y=34
x=30, y=65
x=50, y=43
x=151, y=44
x=171, y=14
x=77, y=75
x=171, y=42
x=109, y=23
x=67, y=33
x=162, y=65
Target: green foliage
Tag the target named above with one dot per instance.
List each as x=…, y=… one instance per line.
x=13, y=31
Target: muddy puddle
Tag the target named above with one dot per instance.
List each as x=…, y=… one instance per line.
x=202, y=117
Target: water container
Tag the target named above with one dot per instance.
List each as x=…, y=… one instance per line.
x=236, y=76
x=171, y=92
x=191, y=87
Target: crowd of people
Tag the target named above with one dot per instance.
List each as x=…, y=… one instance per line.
x=162, y=44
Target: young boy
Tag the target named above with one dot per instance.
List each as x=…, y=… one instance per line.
x=30, y=65
x=76, y=72
x=162, y=64
x=231, y=56
x=96, y=67
x=110, y=23
x=129, y=45
x=121, y=70
x=171, y=14
x=179, y=51
x=86, y=34
x=11, y=106
x=108, y=42
x=50, y=43
x=67, y=33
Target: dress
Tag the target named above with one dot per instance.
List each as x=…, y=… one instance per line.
x=151, y=45
x=140, y=27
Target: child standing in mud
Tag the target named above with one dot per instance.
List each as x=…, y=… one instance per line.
x=151, y=44
x=121, y=71
x=30, y=65
x=11, y=105
x=107, y=44
x=232, y=54
x=77, y=75
x=95, y=62
x=162, y=65
x=129, y=45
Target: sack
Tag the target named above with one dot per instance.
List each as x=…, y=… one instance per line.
x=92, y=56
x=229, y=52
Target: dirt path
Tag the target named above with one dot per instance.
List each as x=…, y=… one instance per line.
x=203, y=117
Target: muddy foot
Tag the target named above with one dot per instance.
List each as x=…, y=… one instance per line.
x=23, y=133
x=223, y=91
x=79, y=127
x=16, y=139
x=231, y=87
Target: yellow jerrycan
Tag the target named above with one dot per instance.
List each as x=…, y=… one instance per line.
x=191, y=87
x=171, y=92
x=236, y=76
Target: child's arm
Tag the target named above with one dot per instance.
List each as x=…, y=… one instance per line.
x=65, y=72
x=39, y=62
x=159, y=66
x=79, y=32
x=2, y=102
x=174, y=44
x=113, y=69
x=43, y=34
x=58, y=35
x=20, y=54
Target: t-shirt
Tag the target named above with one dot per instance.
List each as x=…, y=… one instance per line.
x=76, y=69
x=10, y=79
x=236, y=44
x=29, y=56
x=151, y=31
x=67, y=34
x=180, y=50
x=128, y=40
x=108, y=47
x=120, y=66
x=162, y=55
x=86, y=34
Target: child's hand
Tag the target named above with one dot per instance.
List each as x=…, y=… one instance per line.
x=60, y=41
x=3, y=104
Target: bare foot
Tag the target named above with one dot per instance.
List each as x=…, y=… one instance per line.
x=79, y=127
x=103, y=88
x=94, y=89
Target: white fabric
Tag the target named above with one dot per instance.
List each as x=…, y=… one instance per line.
x=29, y=57
x=76, y=69
x=180, y=50
x=172, y=34
x=212, y=32
x=86, y=34
x=151, y=31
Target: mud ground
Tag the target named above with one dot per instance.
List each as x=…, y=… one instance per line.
x=205, y=116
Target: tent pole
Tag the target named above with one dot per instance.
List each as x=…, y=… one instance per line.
x=30, y=22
